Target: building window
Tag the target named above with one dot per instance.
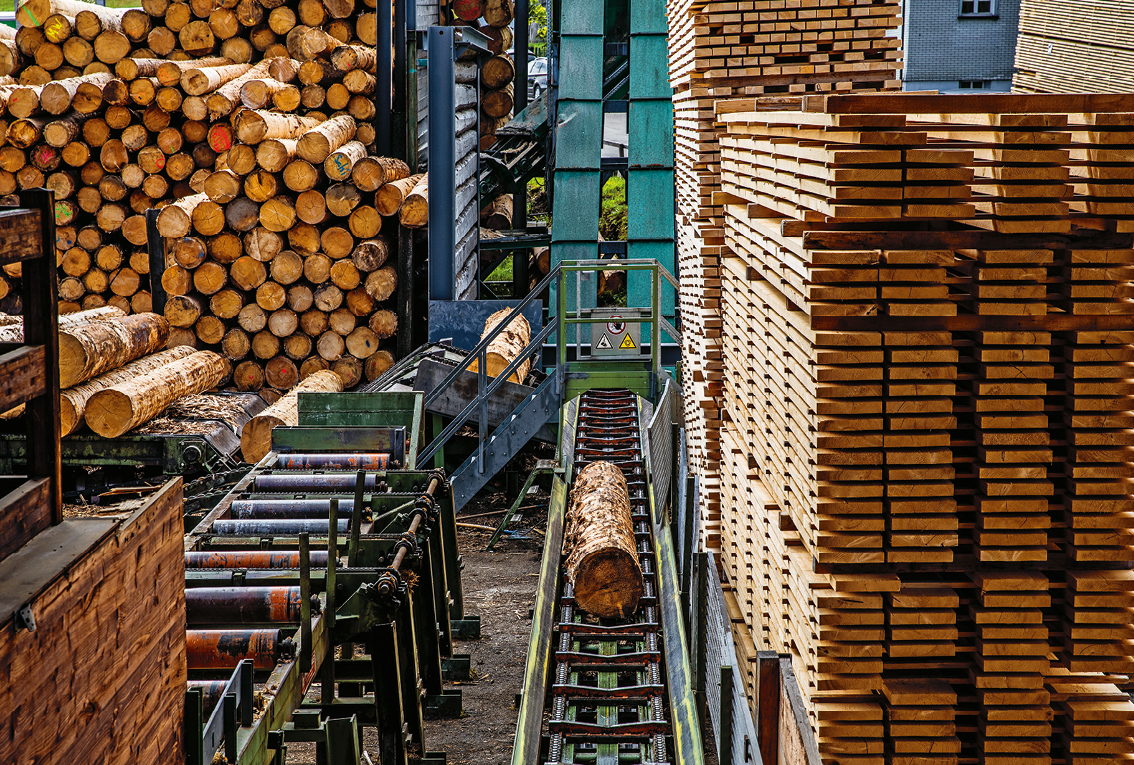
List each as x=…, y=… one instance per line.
x=978, y=7
x=973, y=84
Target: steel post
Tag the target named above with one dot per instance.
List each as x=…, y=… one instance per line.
x=442, y=164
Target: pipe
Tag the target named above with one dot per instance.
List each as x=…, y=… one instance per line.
x=287, y=508
x=312, y=482
x=288, y=527
x=211, y=692
x=225, y=649
x=251, y=559
x=242, y=605
x=378, y=461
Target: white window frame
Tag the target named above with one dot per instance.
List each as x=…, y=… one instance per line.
x=976, y=13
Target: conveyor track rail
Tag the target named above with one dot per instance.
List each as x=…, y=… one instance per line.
x=608, y=698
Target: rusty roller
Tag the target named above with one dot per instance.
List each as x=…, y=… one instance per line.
x=288, y=508
x=312, y=482
x=330, y=461
x=211, y=692
x=242, y=605
x=251, y=559
x=287, y=527
x=224, y=649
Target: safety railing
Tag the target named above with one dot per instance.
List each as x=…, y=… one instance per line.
x=568, y=312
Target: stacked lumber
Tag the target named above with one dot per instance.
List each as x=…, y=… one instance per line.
x=1090, y=50
x=925, y=306
x=719, y=51
x=251, y=128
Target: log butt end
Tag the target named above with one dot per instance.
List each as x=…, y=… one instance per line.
x=256, y=437
x=608, y=585
x=109, y=413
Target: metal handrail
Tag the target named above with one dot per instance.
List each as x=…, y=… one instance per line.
x=563, y=317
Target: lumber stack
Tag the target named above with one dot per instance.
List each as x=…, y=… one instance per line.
x=719, y=51
x=926, y=459
x=1090, y=50
x=251, y=128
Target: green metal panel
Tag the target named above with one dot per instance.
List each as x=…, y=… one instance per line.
x=579, y=77
x=362, y=410
x=647, y=79
x=581, y=17
x=652, y=118
x=648, y=17
x=583, y=376
x=649, y=197
x=576, y=211
x=578, y=145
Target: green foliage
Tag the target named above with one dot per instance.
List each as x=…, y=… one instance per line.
x=612, y=215
x=537, y=14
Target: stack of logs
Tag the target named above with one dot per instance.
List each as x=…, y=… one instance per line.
x=113, y=373
x=115, y=376
x=249, y=125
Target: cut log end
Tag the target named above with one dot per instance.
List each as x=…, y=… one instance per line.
x=602, y=560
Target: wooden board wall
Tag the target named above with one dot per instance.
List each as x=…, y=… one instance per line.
x=102, y=679
x=1088, y=51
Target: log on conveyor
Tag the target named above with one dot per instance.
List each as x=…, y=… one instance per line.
x=602, y=562
x=507, y=346
x=256, y=438
x=73, y=401
x=119, y=409
x=88, y=350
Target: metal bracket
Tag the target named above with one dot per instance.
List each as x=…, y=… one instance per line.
x=25, y=619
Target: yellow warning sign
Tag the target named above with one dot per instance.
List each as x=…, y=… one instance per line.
x=627, y=344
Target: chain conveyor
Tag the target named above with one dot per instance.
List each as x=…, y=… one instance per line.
x=607, y=691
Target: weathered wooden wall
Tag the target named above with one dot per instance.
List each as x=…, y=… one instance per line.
x=102, y=679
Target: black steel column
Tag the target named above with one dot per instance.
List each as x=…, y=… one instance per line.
x=520, y=98
x=384, y=90
x=442, y=165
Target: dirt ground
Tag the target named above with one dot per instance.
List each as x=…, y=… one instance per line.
x=500, y=587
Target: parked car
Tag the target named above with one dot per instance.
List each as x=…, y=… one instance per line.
x=537, y=74
x=537, y=78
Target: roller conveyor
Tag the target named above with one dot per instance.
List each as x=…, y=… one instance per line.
x=283, y=572
x=608, y=691
x=254, y=559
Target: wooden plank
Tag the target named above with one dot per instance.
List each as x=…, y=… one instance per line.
x=22, y=373
x=24, y=512
x=20, y=235
x=26, y=572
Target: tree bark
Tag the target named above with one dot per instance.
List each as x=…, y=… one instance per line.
x=392, y=195
x=602, y=560
x=125, y=406
x=414, y=212
x=88, y=350
x=317, y=144
x=256, y=437
x=507, y=346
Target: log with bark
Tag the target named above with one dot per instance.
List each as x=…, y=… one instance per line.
x=73, y=401
x=506, y=346
x=256, y=437
x=602, y=559
x=125, y=406
x=88, y=350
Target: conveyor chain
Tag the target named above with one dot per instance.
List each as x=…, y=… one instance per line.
x=608, y=697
